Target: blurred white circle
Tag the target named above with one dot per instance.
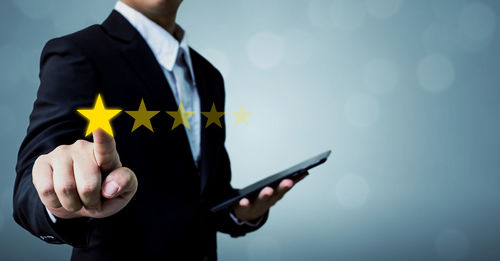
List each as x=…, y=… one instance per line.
x=380, y=75
x=451, y=244
x=362, y=110
x=264, y=248
x=36, y=9
x=299, y=47
x=446, y=9
x=435, y=73
x=383, y=9
x=441, y=36
x=352, y=191
x=219, y=59
x=317, y=11
x=265, y=50
x=476, y=22
x=347, y=15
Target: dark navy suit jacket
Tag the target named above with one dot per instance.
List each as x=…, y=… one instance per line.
x=169, y=214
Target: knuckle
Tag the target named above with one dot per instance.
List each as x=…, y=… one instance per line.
x=61, y=148
x=90, y=189
x=75, y=206
x=80, y=145
x=46, y=191
x=59, y=151
x=35, y=171
x=67, y=189
x=41, y=158
x=53, y=203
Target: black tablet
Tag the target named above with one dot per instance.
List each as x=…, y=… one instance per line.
x=273, y=181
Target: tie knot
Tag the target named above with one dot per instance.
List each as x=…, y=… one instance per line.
x=181, y=57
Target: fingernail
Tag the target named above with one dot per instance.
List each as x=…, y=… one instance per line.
x=110, y=188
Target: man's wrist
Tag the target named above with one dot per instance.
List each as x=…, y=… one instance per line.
x=51, y=216
x=252, y=223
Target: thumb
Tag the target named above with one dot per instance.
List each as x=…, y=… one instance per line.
x=118, y=188
x=105, y=153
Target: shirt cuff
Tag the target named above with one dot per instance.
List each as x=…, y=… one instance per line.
x=243, y=222
x=51, y=216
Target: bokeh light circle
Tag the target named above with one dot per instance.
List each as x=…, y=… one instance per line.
x=435, y=73
x=317, y=12
x=380, y=75
x=383, y=9
x=352, y=191
x=300, y=45
x=361, y=110
x=476, y=22
x=451, y=244
x=265, y=50
x=347, y=15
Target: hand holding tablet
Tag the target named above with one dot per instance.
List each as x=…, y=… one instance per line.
x=282, y=181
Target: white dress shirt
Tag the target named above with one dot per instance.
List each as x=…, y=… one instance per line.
x=172, y=53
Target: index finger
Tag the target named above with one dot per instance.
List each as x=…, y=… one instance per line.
x=88, y=179
x=105, y=152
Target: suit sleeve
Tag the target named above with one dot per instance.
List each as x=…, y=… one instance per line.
x=67, y=81
x=224, y=222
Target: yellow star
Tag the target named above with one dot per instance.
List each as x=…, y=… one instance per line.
x=142, y=117
x=241, y=116
x=99, y=117
x=181, y=117
x=213, y=116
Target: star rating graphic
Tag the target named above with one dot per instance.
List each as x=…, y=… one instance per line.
x=100, y=117
x=181, y=116
x=241, y=116
x=213, y=116
x=142, y=117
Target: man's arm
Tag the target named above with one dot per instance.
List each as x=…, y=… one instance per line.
x=66, y=179
x=225, y=218
x=66, y=79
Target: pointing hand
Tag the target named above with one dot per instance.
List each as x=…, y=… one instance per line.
x=69, y=179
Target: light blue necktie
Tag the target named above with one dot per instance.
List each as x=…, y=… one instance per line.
x=188, y=94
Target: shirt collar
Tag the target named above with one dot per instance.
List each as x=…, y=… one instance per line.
x=164, y=46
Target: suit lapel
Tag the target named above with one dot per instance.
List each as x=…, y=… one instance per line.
x=140, y=57
x=202, y=85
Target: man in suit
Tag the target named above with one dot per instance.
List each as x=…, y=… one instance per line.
x=141, y=193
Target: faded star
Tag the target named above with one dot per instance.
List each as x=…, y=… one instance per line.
x=142, y=117
x=241, y=116
x=213, y=116
x=181, y=116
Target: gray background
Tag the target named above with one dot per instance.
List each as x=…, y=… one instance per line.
x=405, y=93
